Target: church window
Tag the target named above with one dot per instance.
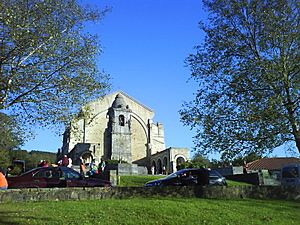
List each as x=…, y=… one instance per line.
x=122, y=120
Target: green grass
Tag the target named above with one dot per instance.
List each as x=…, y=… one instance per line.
x=138, y=181
x=236, y=183
x=187, y=211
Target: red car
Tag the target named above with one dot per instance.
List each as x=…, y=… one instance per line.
x=47, y=177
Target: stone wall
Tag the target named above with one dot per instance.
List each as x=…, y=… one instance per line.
x=216, y=192
x=131, y=169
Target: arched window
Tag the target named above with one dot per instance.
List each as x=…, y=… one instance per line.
x=122, y=120
x=153, y=168
x=179, y=161
x=165, y=166
x=159, y=166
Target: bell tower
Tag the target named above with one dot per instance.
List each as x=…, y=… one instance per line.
x=119, y=129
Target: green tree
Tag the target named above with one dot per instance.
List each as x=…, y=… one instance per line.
x=218, y=164
x=248, y=71
x=199, y=160
x=4, y=159
x=239, y=161
x=11, y=133
x=47, y=60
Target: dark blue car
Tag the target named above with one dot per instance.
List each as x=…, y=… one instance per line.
x=191, y=176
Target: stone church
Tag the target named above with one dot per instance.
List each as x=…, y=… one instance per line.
x=118, y=127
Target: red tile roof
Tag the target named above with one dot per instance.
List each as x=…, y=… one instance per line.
x=272, y=163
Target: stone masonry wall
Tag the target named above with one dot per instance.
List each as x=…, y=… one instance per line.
x=216, y=192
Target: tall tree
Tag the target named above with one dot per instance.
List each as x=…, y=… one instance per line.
x=248, y=71
x=4, y=159
x=239, y=161
x=198, y=160
x=47, y=61
x=12, y=134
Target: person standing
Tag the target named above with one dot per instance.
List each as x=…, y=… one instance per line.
x=164, y=170
x=245, y=168
x=152, y=170
x=70, y=163
x=102, y=165
x=93, y=170
x=82, y=169
x=203, y=176
x=9, y=171
x=65, y=160
x=3, y=181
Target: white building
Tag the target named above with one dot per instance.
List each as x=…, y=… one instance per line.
x=120, y=128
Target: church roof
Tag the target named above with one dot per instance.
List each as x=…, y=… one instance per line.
x=117, y=99
x=127, y=96
x=119, y=102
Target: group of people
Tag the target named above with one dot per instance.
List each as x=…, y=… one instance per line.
x=8, y=172
x=43, y=163
x=93, y=168
x=163, y=170
x=65, y=161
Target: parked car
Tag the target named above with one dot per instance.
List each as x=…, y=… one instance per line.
x=186, y=177
x=47, y=177
x=215, y=178
x=290, y=174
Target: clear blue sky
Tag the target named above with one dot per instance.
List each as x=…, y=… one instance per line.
x=145, y=43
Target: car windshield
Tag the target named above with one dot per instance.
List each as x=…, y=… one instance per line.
x=47, y=173
x=213, y=173
x=70, y=174
x=176, y=174
x=30, y=171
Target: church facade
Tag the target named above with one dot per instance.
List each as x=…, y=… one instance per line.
x=117, y=127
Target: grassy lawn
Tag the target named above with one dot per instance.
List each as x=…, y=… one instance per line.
x=138, y=181
x=152, y=211
x=236, y=183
